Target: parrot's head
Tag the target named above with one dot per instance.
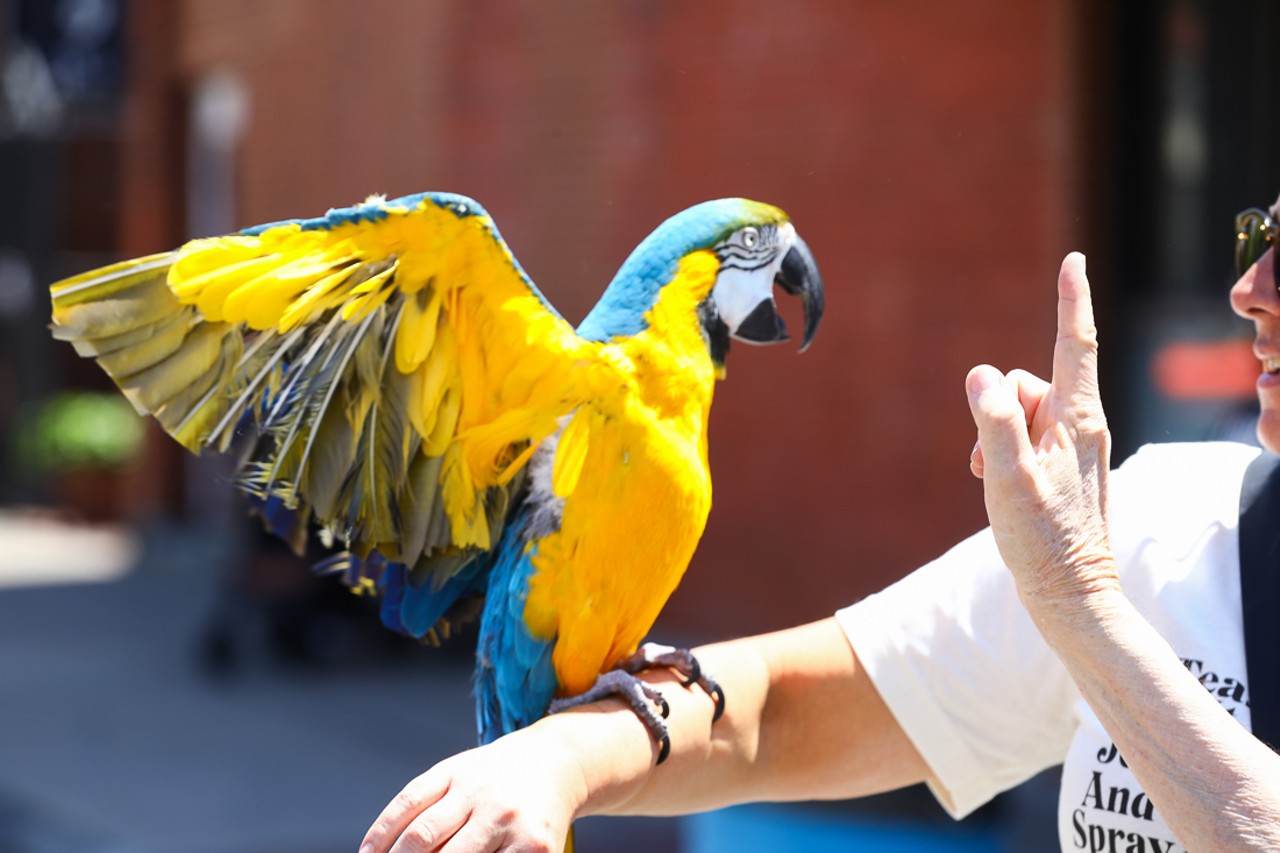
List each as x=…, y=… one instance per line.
x=755, y=247
x=760, y=249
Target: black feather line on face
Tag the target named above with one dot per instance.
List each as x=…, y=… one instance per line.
x=733, y=254
x=732, y=263
x=765, y=245
x=717, y=333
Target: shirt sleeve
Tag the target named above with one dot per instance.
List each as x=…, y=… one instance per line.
x=957, y=660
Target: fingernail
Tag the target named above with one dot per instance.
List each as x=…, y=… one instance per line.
x=980, y=381
x=367, y=847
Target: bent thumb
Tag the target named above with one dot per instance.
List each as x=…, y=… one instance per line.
x=1000, y=418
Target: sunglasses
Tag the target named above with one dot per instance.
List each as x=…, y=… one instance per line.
x=1255, y=233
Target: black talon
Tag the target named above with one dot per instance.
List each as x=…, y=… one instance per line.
x=638, y=695
x=719, y=695
x=664, y=749
x=683, y=662
x=694, y=675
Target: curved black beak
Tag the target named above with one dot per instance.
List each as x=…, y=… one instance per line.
x=799, y=275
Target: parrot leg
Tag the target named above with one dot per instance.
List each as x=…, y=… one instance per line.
x=636, y=693
x=651, y=655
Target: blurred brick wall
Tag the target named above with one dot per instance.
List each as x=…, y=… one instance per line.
x=926, y=150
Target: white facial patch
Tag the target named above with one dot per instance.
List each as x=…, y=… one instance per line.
x=738, y=291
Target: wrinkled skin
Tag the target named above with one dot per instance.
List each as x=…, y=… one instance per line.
x=1046, y=500
x=1043, y=453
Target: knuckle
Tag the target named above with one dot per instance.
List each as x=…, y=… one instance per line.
x=502, y=818
x=530, y=836
x=418, y=838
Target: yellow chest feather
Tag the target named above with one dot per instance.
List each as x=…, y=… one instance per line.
x=632, y=469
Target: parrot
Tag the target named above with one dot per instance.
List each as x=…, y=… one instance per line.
x=390, y=381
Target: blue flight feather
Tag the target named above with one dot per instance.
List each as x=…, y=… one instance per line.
x=515, y=678
x=391, y=587
x=424, y=606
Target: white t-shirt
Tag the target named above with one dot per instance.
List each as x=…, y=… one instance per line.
x=988, y=704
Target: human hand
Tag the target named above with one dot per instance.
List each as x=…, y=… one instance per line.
x=1043, y=454
x=518, y=793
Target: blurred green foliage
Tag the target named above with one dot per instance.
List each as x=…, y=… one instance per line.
x=77, y=430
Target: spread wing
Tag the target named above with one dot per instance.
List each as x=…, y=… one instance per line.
x=387, y=369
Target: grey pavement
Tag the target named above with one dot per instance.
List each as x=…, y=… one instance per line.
x=113, y=738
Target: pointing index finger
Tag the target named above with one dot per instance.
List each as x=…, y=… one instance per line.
x=1075, y=353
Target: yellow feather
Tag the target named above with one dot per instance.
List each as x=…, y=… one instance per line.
x=356, y=310
x=211, y=254
x=461, y=502
x=417, y=332
x=488, y=446
x=647, y=459
x=319, y=297
x=516, y=465
x=440, y=366
x=209, y=291
x=571, y=452
x=262, y=300
x=446, y=422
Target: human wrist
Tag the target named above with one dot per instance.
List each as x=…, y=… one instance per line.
x=1086, y=591
x=601, y=754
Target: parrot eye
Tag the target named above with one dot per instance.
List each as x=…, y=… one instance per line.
x=750, y=236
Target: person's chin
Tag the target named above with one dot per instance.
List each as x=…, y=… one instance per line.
x=1269, y=428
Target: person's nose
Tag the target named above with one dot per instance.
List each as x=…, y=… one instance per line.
x=1254, y=295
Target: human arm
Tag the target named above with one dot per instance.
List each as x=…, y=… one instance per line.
x=803, y=721
x=1043, y=455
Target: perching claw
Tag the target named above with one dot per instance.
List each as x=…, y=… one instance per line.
x=652, y=655
x=639, y=696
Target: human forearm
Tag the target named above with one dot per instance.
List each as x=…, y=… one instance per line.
x=1216, y=785
x=802, y=721
x=616, y=756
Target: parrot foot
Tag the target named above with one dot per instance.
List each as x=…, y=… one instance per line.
x=652, y=655
x=641, y=697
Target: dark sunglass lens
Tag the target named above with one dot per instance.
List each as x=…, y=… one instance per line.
x=1254, y=233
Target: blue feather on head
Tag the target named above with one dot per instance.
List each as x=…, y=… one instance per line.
x=634, y=290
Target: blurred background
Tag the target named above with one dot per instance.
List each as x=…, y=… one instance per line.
x=169, y=681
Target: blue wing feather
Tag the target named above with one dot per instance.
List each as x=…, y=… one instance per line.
x=515, y=678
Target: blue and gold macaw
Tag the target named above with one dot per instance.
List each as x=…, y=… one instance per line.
x=388, y=374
